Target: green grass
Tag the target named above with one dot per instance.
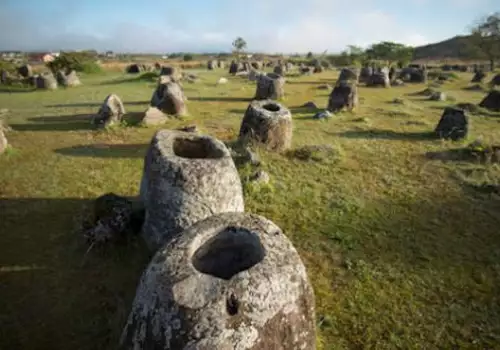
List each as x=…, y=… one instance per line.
x=402, y=250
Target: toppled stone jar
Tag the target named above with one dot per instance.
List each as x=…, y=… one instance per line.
x=187, y=177
x=230, y=282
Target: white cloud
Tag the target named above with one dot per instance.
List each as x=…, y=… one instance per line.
x=269, y=26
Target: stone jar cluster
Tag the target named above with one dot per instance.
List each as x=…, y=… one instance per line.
x=220, y=278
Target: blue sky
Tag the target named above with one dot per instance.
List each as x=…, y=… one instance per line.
x=211, y=25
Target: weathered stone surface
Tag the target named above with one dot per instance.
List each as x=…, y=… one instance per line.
x=349, y=74
x=270, y=88
x=267, y=122
x=221, y=64
x=4, y=76
x=478, y=77
x=114, y=217
x=454, y=124
x=110, y=112
x=495, y=81
x=174, y=73
x=246, y=66
x=280, y=70
x=398, y=82
x=3, y=139
x=323, y=115
x=379, y=79
x=260, y=177
x=164, y=79
x=253, y=75
x=211, y=65
x=169, y=98
x=310, y=104
x=222, y=81
x=274, y=76
x=72, y=79
x=187, y=177
x=133, y=69
x=3, y=142
x=343, y=95
x=491, y=101
x=46, y=81
x=257, y=65
x=153, y=116
x=67, y=80
x=250, y=157
x=243, y=73
x=414, y=75
x=230, y=282
x=234, y=67
x=365, y=74
x=25, y=71
x=306, y=70
x=318, y=68
x=437, y=96
x=190, y=77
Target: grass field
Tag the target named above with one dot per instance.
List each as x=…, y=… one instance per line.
x=403, y=251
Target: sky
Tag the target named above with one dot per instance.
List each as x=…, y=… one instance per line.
x=272, y=26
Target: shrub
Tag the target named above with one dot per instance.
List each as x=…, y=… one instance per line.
x=78, y=61
x=187, y=57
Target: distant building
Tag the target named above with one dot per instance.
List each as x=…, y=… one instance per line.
x=44, y=57
x=48, y=57
x=10, y=55
x=110, y=54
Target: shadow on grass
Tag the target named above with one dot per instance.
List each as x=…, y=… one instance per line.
x=388, y=135
x=455, y=155
x=71, y=122
x=470, y=108
x=147, y=77
x=293, y=110
x=16, y=90
x=137, y=103
x=96, y=104
x=237, y=111
x=106, y=151
x=56, y=123
x=45, y=278
x=81, y=104
x=222, y=99
x=299, y=82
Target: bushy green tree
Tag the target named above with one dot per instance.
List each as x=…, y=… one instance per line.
x=484, y=40
x=79, y=61
x=187, y=57
x=390, y=52
x=239, y=44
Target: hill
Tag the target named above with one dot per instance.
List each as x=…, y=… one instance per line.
x=455, y=47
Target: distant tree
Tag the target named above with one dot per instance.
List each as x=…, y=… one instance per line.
x=79, y=61
x=357, y=54
x=187, y=57
x=390, y=52
x=485, y=38
x=239, y=44
x=309, y=55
